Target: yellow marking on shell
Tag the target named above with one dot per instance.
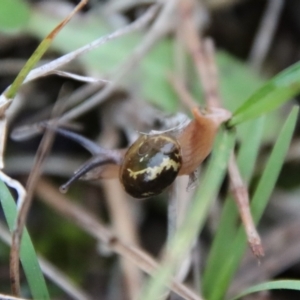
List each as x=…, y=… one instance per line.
x=164, y=137
x=155, y=171
x=148, y=194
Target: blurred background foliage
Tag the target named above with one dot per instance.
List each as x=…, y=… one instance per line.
x=233, y=26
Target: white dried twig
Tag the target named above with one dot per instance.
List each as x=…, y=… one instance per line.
x=77, y=77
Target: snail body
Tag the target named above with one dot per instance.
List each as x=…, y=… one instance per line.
x=198, y=137
x=153, y=161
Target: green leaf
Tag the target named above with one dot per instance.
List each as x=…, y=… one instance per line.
x=195, y=217
x=28, y=256
x=237, y=80
x=227, y=228
x=14, y=14
x=271, y=285
x=259, y=201
x=270, y=96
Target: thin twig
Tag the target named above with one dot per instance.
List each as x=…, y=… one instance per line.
x=59, y=62
x=3, y=128
x=241, y=196
x=184, y=95
x=31, y=128
x=279, y=259
x=123, y=222
x=21, y=192
x=8, y=297
x=23, y=208
x=195, y=47
x=265, y=33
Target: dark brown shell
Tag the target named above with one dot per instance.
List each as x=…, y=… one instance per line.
x=150, y=165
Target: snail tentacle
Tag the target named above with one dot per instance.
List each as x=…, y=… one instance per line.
x=89, y=145
x=94, y=162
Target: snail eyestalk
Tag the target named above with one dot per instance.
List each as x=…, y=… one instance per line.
x=89, y=145
x=91, y=164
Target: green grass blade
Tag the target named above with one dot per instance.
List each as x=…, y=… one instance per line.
x=195, y=217
x=227, y=228
x=259, y=201
x=28, y=256
x=271, y=285
x=31, y=62
x=38, y=53
x=270, y=96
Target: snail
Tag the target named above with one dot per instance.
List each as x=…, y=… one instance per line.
x=154, y=160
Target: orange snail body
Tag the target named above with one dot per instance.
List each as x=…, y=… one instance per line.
x=198, y=137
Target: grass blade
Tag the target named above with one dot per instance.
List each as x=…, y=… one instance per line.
x=28, y=256
x=39, y=52
x=270, y=96
x=259, y=201
x=195, y=218
x=271, y=285
x=228, y=223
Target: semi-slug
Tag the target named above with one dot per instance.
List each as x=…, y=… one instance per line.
x=153, y=161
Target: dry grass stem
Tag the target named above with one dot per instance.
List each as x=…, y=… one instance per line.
x=3, y=128
x=13, y=66
x=193, y=43
x=90, y=224
x=7, y=297
x=81, y=78
x=59, y=62
x=213, y=88
x=241, y=197
x=123, y=221
x=279, y=258
x=179, y=201
x=117, y=6
x=265, y=33
x=23, y=210
x=185, y=97
x=25, y=132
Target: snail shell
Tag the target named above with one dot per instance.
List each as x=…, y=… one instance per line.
x=150, y=165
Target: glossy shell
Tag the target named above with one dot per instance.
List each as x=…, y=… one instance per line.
x=150, y=165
